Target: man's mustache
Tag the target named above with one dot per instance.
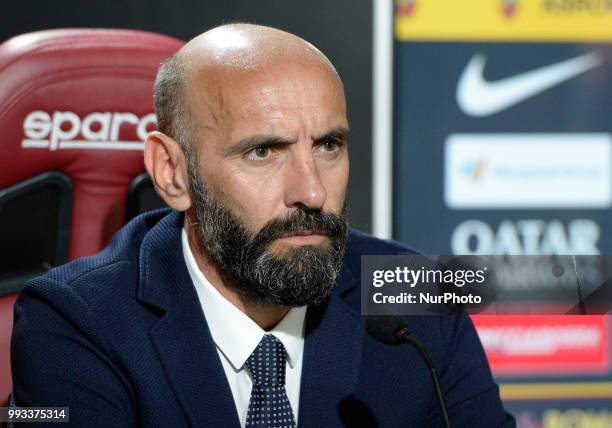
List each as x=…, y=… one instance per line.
x=324, y=223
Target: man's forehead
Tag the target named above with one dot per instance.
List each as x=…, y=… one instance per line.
x=265, y=98
x=249, y=72
x=282, y=82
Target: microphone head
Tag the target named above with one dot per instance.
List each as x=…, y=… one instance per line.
x=384, y=328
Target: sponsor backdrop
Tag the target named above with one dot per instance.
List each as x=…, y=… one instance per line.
x=503, y=145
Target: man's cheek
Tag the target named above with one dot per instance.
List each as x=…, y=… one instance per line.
x=251, y=212
x=336, y=195
x=243, y=213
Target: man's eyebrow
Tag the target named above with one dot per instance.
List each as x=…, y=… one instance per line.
x=249, y=143
x=256, y=141
x=339, y=133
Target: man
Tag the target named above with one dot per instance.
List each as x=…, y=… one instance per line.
x=244, y=310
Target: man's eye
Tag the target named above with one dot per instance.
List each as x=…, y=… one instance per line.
x=330, y=146
x=262, y=152
x=258, y=153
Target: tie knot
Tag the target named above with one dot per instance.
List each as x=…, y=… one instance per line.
x=267, y=362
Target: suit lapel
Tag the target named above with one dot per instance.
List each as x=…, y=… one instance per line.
x=181, y=337
x=332, y=356
x=190, y=359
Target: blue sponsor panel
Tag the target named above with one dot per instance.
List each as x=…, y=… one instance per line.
x=505, y=148
x=514, y=175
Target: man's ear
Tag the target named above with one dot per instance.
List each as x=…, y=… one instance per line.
x=166, y=164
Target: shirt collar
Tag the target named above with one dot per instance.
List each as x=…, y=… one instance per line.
x=235, y=334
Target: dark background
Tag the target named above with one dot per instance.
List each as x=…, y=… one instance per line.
x=342, y=29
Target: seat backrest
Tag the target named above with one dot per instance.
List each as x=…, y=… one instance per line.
x=75, y=107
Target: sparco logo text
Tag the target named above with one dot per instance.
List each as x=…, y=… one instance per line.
x=66, y=130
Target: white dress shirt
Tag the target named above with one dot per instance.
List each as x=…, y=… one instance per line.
x=236, y=336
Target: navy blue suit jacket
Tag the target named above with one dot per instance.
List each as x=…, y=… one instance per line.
x=121, y=339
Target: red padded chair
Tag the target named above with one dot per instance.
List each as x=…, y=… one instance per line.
x=75, y=107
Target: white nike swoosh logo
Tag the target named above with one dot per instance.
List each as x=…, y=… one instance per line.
x=477, y=97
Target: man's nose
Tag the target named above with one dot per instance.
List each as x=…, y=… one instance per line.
x=303, y=186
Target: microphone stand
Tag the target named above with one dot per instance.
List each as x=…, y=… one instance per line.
x=403, y=335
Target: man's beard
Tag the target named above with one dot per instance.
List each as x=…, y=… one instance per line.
x=303, y=275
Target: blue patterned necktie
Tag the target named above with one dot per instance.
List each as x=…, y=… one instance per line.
x=269, y=406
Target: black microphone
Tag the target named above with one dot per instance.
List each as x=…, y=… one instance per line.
x=393, y=330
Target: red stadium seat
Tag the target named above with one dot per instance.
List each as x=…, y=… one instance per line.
x=75, y=107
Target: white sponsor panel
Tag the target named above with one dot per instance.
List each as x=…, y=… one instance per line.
x=528, y=171
x=98, y=130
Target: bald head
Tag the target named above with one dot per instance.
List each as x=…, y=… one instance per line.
x=259, y=116
x=207, y=64
x=247, y=47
